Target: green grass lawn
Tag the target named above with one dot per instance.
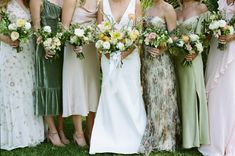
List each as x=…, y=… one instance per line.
x=46, y=149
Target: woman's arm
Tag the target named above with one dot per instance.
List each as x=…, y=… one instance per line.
x=100, y=17
x=67, y=12
x=170, y=18
x=35, y=9
x=7, y=40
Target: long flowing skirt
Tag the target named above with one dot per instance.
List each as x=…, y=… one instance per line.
x=221, y=101
x=121, y=118
x=19, y=126
x=160, y=96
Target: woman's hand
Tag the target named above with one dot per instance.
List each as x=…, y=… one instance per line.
x=226, y=39
x=107, y=56
x=191, y=57
x=155, y=52
x=48, y=54
x=7, y=40
x=77, y=49
x=126, y=53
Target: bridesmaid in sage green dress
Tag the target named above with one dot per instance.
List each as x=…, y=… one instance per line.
x=194, y=111
x=48, y=72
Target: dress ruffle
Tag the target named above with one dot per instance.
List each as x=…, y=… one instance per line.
x=48, y=101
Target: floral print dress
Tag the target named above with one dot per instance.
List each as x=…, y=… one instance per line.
x=160, y=97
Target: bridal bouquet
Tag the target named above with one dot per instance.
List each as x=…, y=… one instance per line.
x=81, y=35
x=187, y=44
x=220, y=27
x=111, y=40
x=50, y=41
x=156, y=37
x=19, y=30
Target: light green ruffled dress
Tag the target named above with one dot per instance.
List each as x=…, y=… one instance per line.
x=192, y=94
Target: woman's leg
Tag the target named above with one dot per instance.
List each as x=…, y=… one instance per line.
x=52, y=133
x=63, y=138
x=78, y=135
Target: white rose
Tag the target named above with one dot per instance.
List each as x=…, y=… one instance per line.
x=47, y=29
x=48, y=42
x=120, y=46
x=180, y=43
x=199, y=47
x=27, y=26
x=214, y=25
x=113, y=41
x=79, y=32
x=15, y=36
x=73, y=39
x=12, y=26
x=106, y=45
x=222, y=23
x=57, y=41
x=194, y=37
x=99, y=44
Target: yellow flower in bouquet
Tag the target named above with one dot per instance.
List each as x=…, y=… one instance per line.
x=116, y=35
x=20, y=23
x=105, y=38
x=134, y=34
x=15, y=36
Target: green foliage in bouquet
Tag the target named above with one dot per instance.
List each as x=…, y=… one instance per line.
x=4, y=23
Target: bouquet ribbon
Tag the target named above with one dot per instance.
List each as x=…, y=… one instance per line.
x=115, y=62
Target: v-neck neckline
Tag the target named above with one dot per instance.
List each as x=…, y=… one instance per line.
x=121, y=18
x=22, y=7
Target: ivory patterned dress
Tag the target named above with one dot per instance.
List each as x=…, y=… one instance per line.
x=81, y=85
x=19, y=126
x=160, y=97
x=192, y=92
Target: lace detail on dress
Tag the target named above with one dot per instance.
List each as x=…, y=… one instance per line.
x=15, y=11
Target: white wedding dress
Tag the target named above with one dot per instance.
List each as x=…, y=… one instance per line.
x=19, y=127
x=220, y=85
x=121, y=119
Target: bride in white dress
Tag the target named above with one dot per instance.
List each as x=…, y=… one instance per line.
x=220, y=85
x=121, y=119
x=19, y=126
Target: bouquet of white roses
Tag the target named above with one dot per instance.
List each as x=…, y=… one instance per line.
x=80, y=35
x=220, y=27
x=156, y=37
x=187, y=44
x=19, y=30
x=50, y=41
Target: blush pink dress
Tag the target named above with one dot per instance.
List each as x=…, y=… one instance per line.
x=220, y=85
